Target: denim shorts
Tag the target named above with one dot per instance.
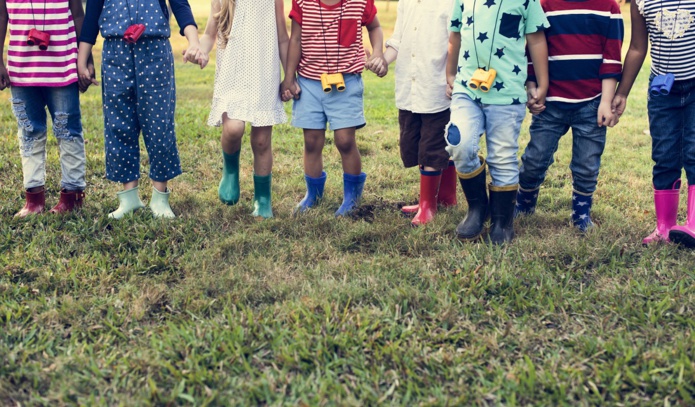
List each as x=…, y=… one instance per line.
x=340, y=110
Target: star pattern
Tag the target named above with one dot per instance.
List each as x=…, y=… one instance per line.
x=490, y=3
x=469, y=21
x=516, y=69
x=500, y=53
x=516, y=101
x=540, y=27
x=478, y=100
x=498, y=85
x=482, y=37
x=526, y=4
x=456, y=23
x=466, y=55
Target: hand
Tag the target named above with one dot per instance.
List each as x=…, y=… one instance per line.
x=202, y=59
x=4, y=77
x=190, y=54
x=289, y=89
x=378, y=65
x=450, y=85
x=605, y=116
x=618, y=105
x=536, y=95
x=531, y=94
x=86, y=75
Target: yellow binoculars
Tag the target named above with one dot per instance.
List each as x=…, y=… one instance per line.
x=330, y=79
x=482, y=79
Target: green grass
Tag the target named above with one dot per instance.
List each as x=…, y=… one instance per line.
x=216, y=308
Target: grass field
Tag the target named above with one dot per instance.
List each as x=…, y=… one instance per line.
x=216, y=308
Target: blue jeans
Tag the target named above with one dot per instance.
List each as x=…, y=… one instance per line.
x=588, y=142
x=29, y=107
x=672, y=126
x=501, y=125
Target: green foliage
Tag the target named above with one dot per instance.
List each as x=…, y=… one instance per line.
x=216, y=308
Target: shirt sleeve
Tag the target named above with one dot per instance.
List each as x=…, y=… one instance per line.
x=612, y=66
x=369, y=13
x=296, y=12
x=456, y=17
x=395, y=40
x=535, y=18
x=184, y=15
x=90, y=26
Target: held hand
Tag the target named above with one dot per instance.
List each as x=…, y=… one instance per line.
x=86, y=76
x=4, y=78
x=289, y=89
x=605, y=116
x=536, y=108
x=190, y=54
x=531, y=94
x=618, y=105
x=378, y=65
x=202, y=59
x=450, y=86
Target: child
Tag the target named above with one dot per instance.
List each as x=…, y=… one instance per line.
x=138, y=92
x=327, y=39
x=247, y=83
x=487, y=51
x=670, y=26
x=420, y=39
x=584, y=44
x=45, y=75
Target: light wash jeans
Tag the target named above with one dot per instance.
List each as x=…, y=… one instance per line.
x=29, y=107
x=501, y=125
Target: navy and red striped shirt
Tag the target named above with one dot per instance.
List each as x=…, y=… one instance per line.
x=584, y=47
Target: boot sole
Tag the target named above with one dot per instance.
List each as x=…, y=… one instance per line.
x=682, y=238
x=469, y=238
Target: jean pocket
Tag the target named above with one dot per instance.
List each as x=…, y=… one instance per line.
x=509, y=25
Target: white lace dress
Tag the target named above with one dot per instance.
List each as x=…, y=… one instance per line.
x=247, y=75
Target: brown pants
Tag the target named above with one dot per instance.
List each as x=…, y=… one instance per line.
x=422, y=139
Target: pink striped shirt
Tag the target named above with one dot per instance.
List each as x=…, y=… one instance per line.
x=30, y=66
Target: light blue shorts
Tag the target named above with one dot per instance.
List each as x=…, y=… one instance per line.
x=340, y=110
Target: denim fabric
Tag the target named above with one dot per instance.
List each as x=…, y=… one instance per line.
x=588, y=142
x=341, y=110
x=501, y=125
x=672, y=126
x=139, y=93
x=29, y=107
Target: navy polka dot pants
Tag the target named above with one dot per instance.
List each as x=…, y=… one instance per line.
x=139, y=94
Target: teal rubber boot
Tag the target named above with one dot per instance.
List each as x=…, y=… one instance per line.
x=261, y=196
x=228, y=190
x=159, y=204
x=128, y=202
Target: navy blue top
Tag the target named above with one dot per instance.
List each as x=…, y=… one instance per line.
x=90, y=27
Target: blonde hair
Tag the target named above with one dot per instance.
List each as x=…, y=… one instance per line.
x=225, y=18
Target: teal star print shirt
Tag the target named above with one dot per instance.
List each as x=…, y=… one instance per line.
x=493, y=35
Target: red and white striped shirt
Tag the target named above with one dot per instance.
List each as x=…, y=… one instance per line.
x=30, y=66
x=332, y=35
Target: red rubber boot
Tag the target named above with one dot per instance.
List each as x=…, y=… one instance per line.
x=429, y=184
x=447, y=186
x=69, y=201
x=35, y=203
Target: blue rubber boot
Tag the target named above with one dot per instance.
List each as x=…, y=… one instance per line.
x=314, y=193
x=228, y=190
x=352, y=192
x=526, y=200
x=581, y=211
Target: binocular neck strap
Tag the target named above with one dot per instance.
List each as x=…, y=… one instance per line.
x=33, y=17
x=492, y=45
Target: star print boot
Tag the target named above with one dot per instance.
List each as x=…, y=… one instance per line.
x=526, y=200
x=581, y=211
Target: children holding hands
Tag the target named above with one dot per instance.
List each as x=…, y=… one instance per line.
x=584, y=43
x=247, y=83
x=325, y=62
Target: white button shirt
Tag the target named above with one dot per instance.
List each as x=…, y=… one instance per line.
x=421, y=38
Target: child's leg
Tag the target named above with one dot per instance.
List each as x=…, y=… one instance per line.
x=588, y=143
x=28, y=106
x=232, y=133
x=347, y=147
x=314, y=140
x=262, y=166
x=503, y=124
x=546, y=130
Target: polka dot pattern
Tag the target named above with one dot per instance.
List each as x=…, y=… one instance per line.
x=247, y=76
x=139, y=94
x=118, y=15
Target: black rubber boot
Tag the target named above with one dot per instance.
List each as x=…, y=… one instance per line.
x=473, y=185
x=502, y=203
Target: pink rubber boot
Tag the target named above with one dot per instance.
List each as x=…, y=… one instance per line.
x=685, y=235
x=666, y=207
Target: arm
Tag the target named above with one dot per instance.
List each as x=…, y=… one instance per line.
x=376, y=62
x=78, y=17
x=283, y=37
x=189, y=29
x=394, y=43
x=289, y=87
x=452, y=61
x=538, y=51
x=633, y=61
x=190, y=53
x=207, y=41
x=605, y=115
x=4, y=77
